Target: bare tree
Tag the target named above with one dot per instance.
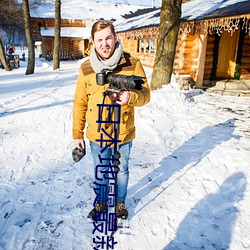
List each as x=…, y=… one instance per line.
x=168, y=34
x=11, y=16
x=3, y=57
x=29, y=39
x=11, y=24
x=56, y=59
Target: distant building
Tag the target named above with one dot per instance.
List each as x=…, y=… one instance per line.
x=75, y=36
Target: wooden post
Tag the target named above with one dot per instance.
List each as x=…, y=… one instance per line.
x=201, y=60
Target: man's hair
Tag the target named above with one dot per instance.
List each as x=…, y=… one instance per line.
x=101, y=24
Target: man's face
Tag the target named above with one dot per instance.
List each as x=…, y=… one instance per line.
x=104, y=42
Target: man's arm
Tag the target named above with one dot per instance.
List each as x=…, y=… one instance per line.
x=80, y=106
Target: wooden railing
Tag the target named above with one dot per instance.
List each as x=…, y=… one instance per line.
x=63, y=55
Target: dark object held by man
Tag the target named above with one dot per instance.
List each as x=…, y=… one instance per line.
x=78, y=153
x=121, y=82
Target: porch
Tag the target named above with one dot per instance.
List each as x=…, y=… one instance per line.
x=231, y=87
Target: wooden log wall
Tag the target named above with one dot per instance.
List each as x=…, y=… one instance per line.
x=73, y=45
x=47, y=45
x=190, y=56
x=146, y=59
x=131, y=46
x=186, y=55
x=66, y=44
x=79, y=46
x=178, y=61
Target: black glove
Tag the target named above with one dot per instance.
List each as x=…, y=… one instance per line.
x=78, y=153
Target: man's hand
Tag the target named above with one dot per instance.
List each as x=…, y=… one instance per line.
x=79, y=143
x=78, y=152
x=123, y=97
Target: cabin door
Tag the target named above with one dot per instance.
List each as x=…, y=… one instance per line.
x=227, y=55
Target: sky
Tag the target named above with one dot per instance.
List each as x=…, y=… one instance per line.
x=189, y=168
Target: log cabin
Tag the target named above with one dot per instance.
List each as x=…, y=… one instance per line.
x=213, y=41
x=74, y=37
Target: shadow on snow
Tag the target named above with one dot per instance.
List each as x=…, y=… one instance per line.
x=23, y=110
x=189, y=155
x=210, y=223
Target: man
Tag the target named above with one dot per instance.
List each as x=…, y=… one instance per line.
x=107, y=54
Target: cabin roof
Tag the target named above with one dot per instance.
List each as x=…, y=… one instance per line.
x=208, y=9
x=193, y=10
x=140, y=21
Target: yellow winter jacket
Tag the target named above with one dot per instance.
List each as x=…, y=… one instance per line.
x=88, y=95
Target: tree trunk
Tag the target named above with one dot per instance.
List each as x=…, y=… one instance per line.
x=168, y=34
x=28, y=33
x=56, y=59
x=3, y=57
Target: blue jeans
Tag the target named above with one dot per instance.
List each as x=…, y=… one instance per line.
x=102, y=165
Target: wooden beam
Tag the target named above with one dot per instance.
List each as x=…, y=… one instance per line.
x=201, y=60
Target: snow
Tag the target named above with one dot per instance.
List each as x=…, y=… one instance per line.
x=189, y=168
x=145, y=20
x=86, y=10
x=155, y=3
x=81, y=32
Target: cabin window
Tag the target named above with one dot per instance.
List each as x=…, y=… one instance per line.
x=146, y=45
x=152, y=45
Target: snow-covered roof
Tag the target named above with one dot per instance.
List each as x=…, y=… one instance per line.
x=144, y=20
x=191, y=11
x=79, y=32
x=85, y=10
x=205, y=9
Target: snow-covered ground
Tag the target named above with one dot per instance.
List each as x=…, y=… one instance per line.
x=189, y=168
